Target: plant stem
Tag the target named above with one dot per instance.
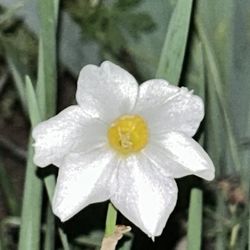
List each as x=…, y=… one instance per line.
x=234, y=236
x=110, y=220
x=194, y=234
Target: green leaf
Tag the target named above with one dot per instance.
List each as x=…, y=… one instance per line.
x=29, y=237
x=172, y=55
x=194, y=73
x=33, y=108
x=49, y=242
x=194, y=233
x=50, y=183
x=40, y=86
x=221, y=236
x=48, y=23
x=126, y=4
x=217, y=95
x=64, y=239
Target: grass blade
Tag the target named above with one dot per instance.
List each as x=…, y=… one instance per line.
x=40, y=87
x=64, y=239
x=221, y=237
x=195, y=220
x=213, y=66
x=172, y=55
x=50, y=230
x=33, y=108
x=48, y=23
x=29, y=237
x=47, y=78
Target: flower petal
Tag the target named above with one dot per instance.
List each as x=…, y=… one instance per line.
x=169, y=108
x=106, y=91
x=84, y=178
x=144, y=196
x=70, y=130
x=178, y=155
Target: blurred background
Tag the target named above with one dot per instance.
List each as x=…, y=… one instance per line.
x=203, y=45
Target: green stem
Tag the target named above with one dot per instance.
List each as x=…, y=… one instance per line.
x=194, y=234
x=234, y=236
x=110, y=220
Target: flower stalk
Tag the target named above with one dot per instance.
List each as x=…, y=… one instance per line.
x=110, y=220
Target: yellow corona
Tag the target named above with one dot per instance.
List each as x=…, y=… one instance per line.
x=128, y=134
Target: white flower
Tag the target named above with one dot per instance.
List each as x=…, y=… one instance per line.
x=124, y=143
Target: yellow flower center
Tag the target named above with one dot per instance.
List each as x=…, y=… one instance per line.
x=128, y=134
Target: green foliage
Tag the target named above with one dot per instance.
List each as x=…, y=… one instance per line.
x=109, y=23
x=126, y=4
x=29, y=238
x=17, y=40
x=172, y=55
x=195, y=220
x=46, y=90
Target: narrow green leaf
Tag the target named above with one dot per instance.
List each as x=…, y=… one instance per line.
x=47, y=78
x=56, y=10
x=221, y=236
x=48, y=24
x=41, y=87
x=29, y=237
x=64, y=239
x=34, y=114
x=8, y=191
x=35, y=117
x=194, y=234
x=49, y=243
x=42, y=104
x=172, y=55
x=217, y=86
x=50, y=183
x=33, y=108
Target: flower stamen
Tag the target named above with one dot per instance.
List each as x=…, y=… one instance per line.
x=128, y=134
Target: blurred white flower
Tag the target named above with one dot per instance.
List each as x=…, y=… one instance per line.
x=125, y=143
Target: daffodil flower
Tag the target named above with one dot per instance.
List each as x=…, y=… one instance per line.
x=125, y=143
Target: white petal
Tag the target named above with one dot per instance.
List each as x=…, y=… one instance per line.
x=84, y=179
x=68, y=131
x=107, y=91
x=178, y=155
x=169, y=108
x=144, y=196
